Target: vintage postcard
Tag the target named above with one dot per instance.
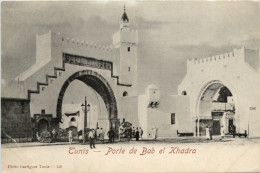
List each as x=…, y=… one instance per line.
x=130, y=86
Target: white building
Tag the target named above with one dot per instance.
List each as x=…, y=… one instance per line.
x=111, y=71
x=199, y=102
x=238, y=71
x=73, y=116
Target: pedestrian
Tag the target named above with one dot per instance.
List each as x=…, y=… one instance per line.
x=54, y=135
x=222, y=132
x=98, y=132
x=137, y=134
x=121, y=131
x=128, y=134
x=234, y=131
x=155, y=133
x=133, y=132
x=207, y=133
x=92, y=136
x=210, y=133
x=102, y=135
x=141, y=133
x=70, y=136
x=111, y=135
x=50, y=136
x=38, y=136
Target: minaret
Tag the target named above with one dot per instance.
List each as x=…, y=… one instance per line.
x=124, y=21
x=126, y=41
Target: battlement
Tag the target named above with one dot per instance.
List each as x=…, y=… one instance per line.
x=212, y=59
x=83, y=43
x=73, y=41
x=237, y=56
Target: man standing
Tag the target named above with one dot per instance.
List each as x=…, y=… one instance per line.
x=91, y=137
x=222, y=132
x=155, y=132
x=70, y=136
x=98, y=132
x=137, y=134
x=210, y=132
x=54, y=135
x=102, y=135
x=141, y=133
x=133, y=132
x=121, y=131
x=111, y=135
x=207, y=133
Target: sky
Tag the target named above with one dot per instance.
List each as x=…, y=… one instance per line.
x=169, y=32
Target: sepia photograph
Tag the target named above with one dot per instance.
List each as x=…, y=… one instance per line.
x=130, y=86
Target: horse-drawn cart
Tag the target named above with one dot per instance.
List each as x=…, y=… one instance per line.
x=125, y=131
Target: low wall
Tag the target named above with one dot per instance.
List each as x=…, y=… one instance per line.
x=16, y=120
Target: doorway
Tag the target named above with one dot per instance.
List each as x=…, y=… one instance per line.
x=216, y=127
x=230, y=126
x=43, y=126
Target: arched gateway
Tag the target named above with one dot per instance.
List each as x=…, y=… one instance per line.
x=39, y=90
x=215, y=107
x=222, y=91
x=99, y=84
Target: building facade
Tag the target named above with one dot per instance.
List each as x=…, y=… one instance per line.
x=110, y=70
x=236, y=74
x=217, y=91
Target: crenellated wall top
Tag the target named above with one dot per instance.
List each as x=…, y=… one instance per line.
x=217, y=58
x=84, y=43
x=77, y=42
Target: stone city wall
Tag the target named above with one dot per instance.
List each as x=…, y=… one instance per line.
x=15, y=121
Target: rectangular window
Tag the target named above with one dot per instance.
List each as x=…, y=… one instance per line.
x=172, y=118
x=128, y=49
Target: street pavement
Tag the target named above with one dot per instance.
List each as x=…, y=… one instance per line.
x=183, y=154
x=179, y=140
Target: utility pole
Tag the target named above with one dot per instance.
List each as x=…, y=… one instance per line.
x=84, y=120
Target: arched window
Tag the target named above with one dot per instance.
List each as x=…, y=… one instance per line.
x=125, y=94
x=72, y=119
x=184, y=93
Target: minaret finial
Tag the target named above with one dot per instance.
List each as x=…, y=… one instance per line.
x=124, y=16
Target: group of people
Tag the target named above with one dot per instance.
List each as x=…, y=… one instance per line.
x=93, y=135
x=209, y=133
x=50, y=136
x=99, y=134
x=131, y=132
x=137, y=133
